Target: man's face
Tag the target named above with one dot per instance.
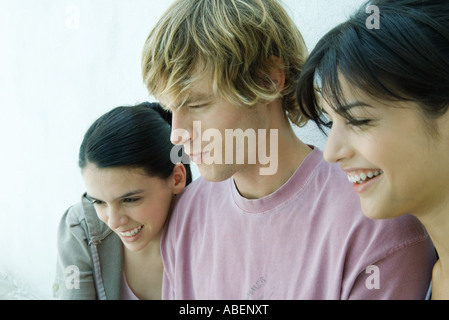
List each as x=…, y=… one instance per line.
x=210, y=128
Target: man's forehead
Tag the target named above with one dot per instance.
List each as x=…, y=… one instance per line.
x=198, y=88
x=193, y=96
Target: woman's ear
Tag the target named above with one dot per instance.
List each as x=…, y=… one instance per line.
x=179, y=178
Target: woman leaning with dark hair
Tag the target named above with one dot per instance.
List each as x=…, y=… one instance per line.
x=109, y=243
x=384, y=94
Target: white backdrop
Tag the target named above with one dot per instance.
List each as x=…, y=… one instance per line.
x=63, y=64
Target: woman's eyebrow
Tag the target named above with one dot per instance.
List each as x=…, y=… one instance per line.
x=131, y=193
x=90, y=198
x=128, y=194
x=355, y=104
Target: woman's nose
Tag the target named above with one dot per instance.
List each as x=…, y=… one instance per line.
x=116, y=218
x=338, y=147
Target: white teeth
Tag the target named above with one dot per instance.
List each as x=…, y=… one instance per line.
x=131, y=232
x=364, y=176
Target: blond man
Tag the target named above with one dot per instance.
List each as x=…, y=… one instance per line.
x=269, y=218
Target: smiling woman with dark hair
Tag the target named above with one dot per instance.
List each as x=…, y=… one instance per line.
x=384, y=94
x=110, y=241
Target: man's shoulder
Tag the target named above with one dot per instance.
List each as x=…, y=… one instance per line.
x=200, y=188
x=199, y=194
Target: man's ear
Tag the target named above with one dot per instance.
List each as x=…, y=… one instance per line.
x=179, y=177
x=277, y=72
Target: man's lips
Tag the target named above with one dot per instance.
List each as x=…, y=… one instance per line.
x=198, y=157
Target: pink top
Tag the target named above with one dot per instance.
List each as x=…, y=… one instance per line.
x=125, y=291
x=307, y=240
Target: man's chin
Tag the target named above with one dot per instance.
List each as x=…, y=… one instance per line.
x=215, y=173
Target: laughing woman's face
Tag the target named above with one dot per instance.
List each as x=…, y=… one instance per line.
x=132, y=204
x=394, y=161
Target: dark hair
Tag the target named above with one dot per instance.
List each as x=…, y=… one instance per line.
x=406, y=59
x=136, y=136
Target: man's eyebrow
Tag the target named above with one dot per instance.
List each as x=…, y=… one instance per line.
x=198, y=98
x=192, y=99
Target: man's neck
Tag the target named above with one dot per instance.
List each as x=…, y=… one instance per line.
x=291, y=153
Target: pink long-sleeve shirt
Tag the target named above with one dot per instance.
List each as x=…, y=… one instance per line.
x=307, y=240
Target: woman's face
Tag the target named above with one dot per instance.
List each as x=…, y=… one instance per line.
x=133, y=204
x=394, y=161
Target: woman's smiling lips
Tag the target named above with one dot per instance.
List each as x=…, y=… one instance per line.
x=131, y=235
x=362, y=179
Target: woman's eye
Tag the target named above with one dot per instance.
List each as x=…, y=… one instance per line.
x=326, y=120
x=358, y=122
x=97, y=202
x=130, y=200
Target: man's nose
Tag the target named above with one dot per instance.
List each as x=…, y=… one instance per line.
x=179, y=133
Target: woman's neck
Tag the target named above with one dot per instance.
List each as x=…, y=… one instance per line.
x=143, y=270
x=150, y=251
x=436, y=222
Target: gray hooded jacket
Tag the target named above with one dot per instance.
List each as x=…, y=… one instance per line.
x=89, y=257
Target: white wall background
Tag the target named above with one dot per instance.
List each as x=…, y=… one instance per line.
x=63, y=64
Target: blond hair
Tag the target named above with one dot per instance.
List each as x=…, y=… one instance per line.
x=235, y=41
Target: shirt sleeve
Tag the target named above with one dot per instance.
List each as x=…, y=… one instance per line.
x=74, y=269
x=381, y=280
